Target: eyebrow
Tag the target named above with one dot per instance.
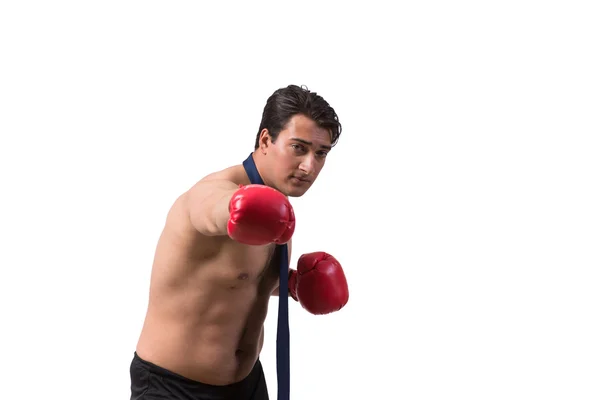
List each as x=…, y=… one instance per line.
x=306, y=142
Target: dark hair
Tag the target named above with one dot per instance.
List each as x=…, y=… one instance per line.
x=286, y=102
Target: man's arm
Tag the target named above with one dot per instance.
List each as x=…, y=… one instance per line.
x=220, y=207
x=208, y=206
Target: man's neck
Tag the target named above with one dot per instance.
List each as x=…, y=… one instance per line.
x=259, y=161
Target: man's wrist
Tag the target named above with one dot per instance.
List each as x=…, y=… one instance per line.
x=292, y=276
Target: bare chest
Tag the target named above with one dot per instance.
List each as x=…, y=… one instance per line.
x=208, y=266
x=240, y=266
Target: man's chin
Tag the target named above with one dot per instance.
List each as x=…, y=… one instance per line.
x=297, y=191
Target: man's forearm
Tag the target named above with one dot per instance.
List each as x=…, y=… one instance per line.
x=221, y=214
x=208, y=204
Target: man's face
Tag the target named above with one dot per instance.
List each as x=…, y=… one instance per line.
x=297, y=156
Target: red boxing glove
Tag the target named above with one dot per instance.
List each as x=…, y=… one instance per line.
x=319, y=285
x=260, y=215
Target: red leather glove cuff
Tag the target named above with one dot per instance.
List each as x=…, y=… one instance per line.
x=292, y=282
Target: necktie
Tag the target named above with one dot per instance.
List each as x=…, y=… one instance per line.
x=283, y=329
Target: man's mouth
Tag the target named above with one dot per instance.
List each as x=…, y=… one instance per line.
x=300, y=179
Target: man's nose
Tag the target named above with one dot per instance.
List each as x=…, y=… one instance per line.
x=308, y=164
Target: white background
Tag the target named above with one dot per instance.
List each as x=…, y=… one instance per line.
x=462, y=199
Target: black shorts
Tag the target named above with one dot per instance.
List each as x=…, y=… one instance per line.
x=151, y=382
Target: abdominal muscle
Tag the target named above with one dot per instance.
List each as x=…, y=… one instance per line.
x=205, y=316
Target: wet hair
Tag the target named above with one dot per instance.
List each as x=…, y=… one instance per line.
x=292, y=100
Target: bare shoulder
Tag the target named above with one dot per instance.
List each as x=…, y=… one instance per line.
x=193, y=206
x=234, y=174
x=225, y=179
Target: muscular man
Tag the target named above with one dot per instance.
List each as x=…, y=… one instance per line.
x=216, y=267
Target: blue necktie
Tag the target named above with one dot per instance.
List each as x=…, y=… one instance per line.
x=283, y=329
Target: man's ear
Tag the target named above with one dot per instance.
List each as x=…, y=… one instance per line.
x=264, y=140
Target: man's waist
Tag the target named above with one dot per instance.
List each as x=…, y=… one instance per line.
x=191, y=378
x=214, y=363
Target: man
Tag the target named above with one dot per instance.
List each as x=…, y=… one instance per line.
x=216, y=262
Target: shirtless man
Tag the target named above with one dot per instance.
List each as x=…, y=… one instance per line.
x=216, y=263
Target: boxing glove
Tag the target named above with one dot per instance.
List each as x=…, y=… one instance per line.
x=319, y=284
x=260, y=215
